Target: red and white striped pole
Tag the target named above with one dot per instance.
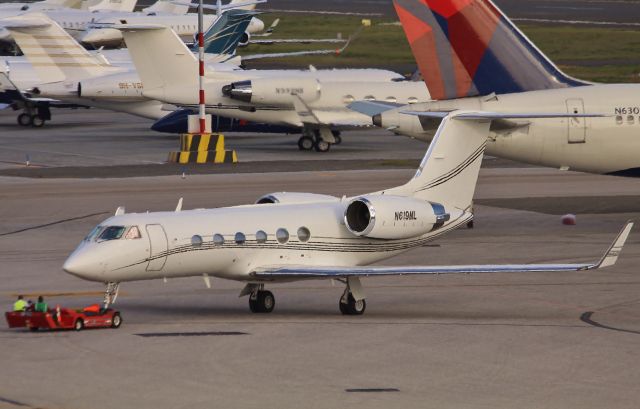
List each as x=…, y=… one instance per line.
x=202, y=106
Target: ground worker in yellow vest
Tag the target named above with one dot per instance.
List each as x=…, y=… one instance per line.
x=20, y=305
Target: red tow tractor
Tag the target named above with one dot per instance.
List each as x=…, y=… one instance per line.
x=92, y=316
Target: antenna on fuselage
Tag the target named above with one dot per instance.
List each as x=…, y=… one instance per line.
x=179, y=206
x=120, y=211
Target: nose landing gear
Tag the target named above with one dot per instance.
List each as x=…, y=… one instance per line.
x=111, y=294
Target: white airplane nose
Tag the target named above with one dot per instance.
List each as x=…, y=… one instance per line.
x=82, y=265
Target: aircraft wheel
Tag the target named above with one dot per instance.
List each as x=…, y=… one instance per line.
x=262, y=302
x=37, y=121
x=305, y=143
x=352, y=307
x=322, y=146
x=116, y=321
x=33, y=329
x=24, y=120
x=470, y=224
x=78, y=325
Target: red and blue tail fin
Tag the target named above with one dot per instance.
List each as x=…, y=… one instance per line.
x=469, y=47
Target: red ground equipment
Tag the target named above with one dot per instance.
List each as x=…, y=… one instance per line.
x=65, y=318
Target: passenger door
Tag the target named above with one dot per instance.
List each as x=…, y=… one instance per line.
x=158, y=246
x=577, y=127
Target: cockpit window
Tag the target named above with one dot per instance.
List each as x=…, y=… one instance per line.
x=133, y=233
x=112, y=233
x=93, y=233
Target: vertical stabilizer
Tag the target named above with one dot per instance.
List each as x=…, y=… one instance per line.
x=449, y=170
x=166, y=6
x=114, y=5
x=224, y=35
x=52, y=52
x=469, y=48
x=160, y=57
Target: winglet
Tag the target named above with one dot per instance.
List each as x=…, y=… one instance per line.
x=611, y=256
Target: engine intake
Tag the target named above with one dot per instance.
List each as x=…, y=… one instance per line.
x=276, y=91
x=393, y=217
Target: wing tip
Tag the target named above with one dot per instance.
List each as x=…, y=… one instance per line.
x=613, y=252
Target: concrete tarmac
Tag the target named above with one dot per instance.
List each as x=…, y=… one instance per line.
x=472, y=341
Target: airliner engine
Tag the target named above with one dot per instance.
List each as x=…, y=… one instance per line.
x=393, y=217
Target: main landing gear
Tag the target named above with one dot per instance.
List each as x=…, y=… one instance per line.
x=260, y=300
x=320, y=141
x=34, y=115
x=352, y=301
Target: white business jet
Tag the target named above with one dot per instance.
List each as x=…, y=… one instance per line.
x=286, y=237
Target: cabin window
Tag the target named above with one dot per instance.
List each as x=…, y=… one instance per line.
x=304, y=234
x=112, y=233
x=619, y=119
x=196, y=240
x=631, y=119
x=282, y=235
x=347, y=99
x=133, y=233
x=369, y=98
x=413, y=100
x=261, y=237
x=218, y=239
x=391, y=99
x=240, y=238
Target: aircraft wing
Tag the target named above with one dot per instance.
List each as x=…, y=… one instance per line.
x=311, y=272
x=474, y=116
x=371, y=108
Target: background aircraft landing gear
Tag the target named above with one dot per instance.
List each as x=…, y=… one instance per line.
x=37, y=121
x=321, y=145
x=305, y=143
x=262, y=301
x=349, y=306
x=25, y=119
x=337, y=137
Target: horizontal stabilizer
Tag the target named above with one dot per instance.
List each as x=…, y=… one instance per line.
x=371, y=108
x=24, y=23
x=308, y=272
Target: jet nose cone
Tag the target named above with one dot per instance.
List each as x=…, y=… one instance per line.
x=79, y=264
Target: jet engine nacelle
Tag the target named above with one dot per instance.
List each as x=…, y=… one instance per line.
x=112, y=87
x=245, y=39
x=275, y=91
x=294, y=197
x=393, y=217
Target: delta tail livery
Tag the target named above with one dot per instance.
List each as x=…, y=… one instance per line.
x=473, y=57
x=300, y=236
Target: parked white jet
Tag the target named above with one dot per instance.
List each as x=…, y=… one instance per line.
x=287, y=237
x=315, y=100
x=105, y=31
x=73, y=19
x=472, y=57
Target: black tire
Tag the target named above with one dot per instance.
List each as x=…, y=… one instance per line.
x=37, y=121
x=322, y=146
x=262, y=302
x=33, y=329
x=78, y=325
x=305, y=143
x=353, y=307
x=344, y=308
x=267, y=301
x=116, y=321
x=470, y=224
x=24, y=120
